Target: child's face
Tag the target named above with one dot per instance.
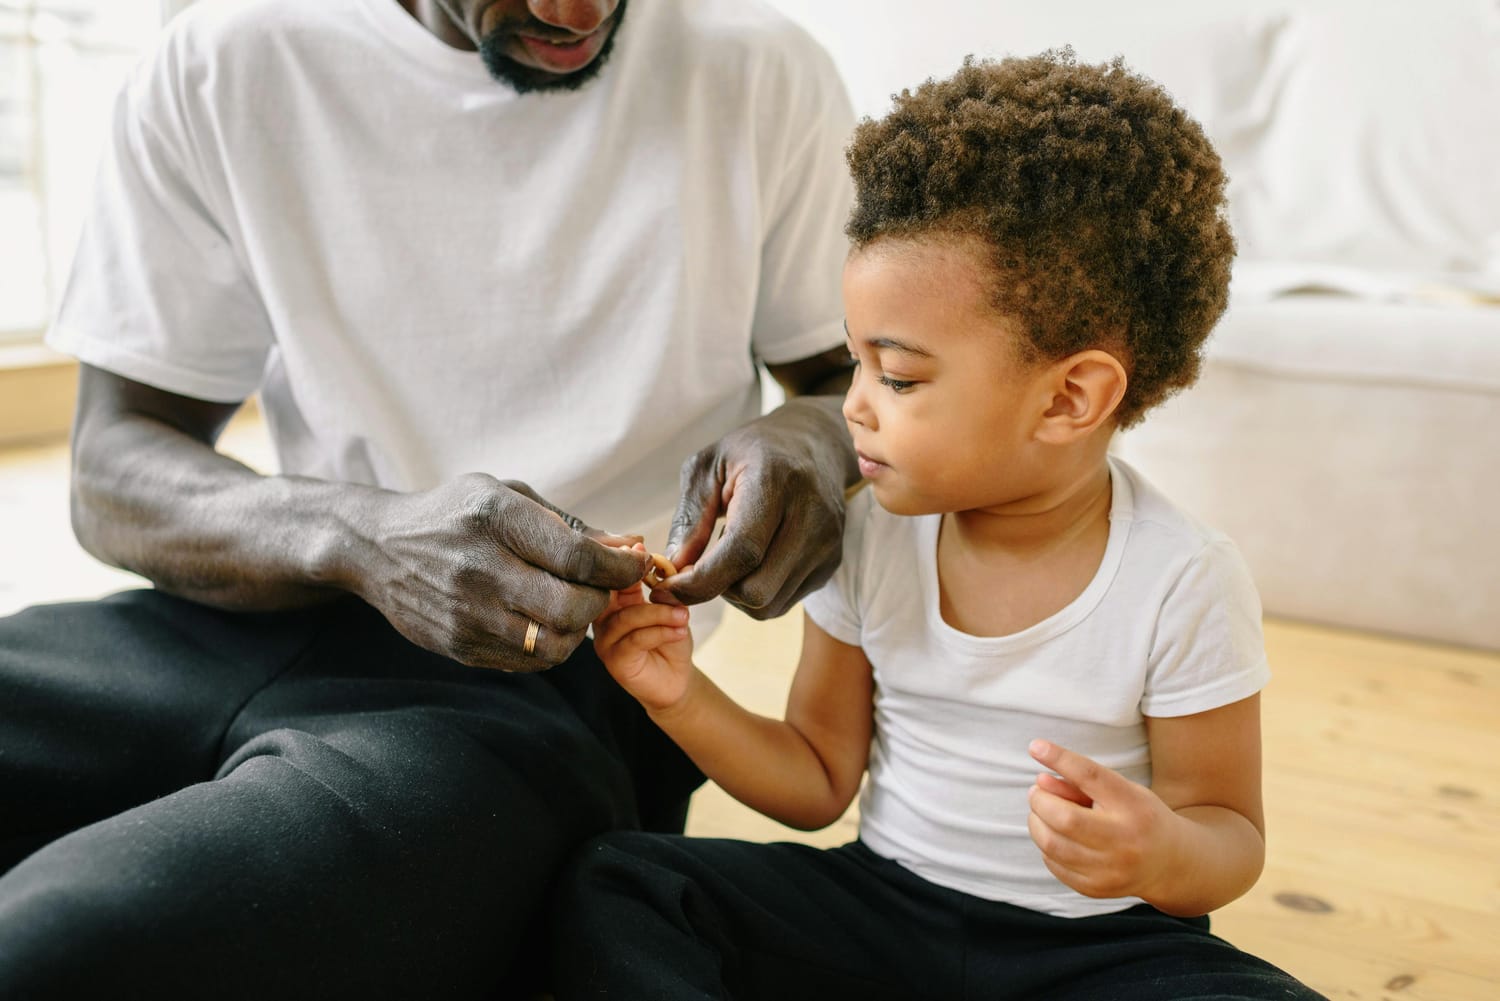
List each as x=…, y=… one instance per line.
x=941, y=408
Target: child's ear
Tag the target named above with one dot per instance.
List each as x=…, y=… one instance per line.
x=1085, y=389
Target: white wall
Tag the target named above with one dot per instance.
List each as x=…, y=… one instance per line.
x=882, y=46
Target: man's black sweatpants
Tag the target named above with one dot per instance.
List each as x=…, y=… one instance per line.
x=202, y=804
x=670, y=918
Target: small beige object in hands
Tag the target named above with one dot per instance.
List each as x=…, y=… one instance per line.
x=660, y=569
x=533, y=630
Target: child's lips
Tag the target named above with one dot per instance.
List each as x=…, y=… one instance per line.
x=869, y=467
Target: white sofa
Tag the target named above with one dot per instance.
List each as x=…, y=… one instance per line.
x=1346, y=429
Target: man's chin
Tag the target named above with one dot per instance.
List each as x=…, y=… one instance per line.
x=526, y=79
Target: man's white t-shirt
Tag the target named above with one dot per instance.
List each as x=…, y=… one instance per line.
x=426, y=274
x=1170, y=625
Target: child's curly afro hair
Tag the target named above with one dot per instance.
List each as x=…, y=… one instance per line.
x=1100, y=201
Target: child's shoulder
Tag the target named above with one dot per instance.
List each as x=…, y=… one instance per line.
x=1169, y=545
x=875, y=539
x=1148, y=508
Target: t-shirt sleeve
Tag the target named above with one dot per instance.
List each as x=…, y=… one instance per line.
x=157, y=293
x=799, y=309
x=1209, y=650
x=835, y=606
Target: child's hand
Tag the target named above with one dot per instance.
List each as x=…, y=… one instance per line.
x=1100, y=833
x=646, y=647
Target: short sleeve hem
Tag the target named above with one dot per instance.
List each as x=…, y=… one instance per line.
x=805, y=345
x=151, y=371
x=1227, y=691
x=820, y=607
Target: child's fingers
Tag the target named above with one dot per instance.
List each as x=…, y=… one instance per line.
x=1065, y=817
x=1062, y=787
x=1087, y=870
x=1069, y=877
x=649, y=638
x=618, y=600
x=612, y=628
x=651, y=614
x=606, y=635
x=632, y=595
x=1069, y=820
x=1097, y=781
x=1054, y=826
x=1054, y=843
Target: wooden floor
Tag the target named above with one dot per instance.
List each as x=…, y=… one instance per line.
x=1382, y=772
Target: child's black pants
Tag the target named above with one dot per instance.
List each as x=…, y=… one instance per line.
x=648, y=916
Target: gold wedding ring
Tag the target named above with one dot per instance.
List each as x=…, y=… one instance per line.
x=533, y=629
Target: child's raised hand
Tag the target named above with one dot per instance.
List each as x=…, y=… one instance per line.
x=646, y=647
x=1100, y=833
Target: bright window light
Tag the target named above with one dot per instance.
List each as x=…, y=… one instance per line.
x=61, y=62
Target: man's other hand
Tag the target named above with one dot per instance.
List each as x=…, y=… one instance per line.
x=778, y=482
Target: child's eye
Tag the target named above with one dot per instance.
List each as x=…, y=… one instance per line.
x=897, y=385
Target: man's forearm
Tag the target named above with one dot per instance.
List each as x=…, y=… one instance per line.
x=153, y=500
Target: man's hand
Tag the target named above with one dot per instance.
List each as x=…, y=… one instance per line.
x=779, y=484
x=463, y=570
x=1100, y=833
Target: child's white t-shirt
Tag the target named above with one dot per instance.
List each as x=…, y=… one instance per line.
x=426, y=274
x=1170, y=625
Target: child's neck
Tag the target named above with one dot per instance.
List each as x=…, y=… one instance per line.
x=1004, y=569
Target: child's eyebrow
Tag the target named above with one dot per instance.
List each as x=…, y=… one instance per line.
x=893, y=344
x=890, y=344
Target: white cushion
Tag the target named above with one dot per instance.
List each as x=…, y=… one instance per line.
x=1357, y=340
x=1347, y=448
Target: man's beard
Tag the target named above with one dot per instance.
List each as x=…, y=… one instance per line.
x=526, y=79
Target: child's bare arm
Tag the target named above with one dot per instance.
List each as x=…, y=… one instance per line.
x=1191, y=843
x=802, y=770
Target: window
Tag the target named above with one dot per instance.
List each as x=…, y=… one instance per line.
x=61, y=62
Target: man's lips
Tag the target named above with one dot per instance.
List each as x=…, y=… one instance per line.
x=563, y=55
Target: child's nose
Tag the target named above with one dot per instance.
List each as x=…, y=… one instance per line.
x=856, y=410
